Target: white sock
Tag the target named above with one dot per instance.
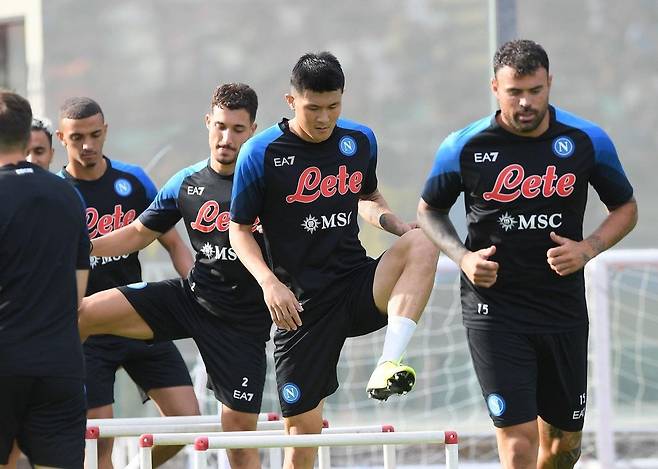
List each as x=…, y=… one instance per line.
x=398, y=335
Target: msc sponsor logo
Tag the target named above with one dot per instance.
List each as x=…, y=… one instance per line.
x=95, y=261
x=481, y=157
x=290, y=393
x=223, y=253
x=336, y=220
x=512, y=183
x=284, y=161
x=530, y=222
x=563, y=147
x=496, y=405
x=347, y=145
x=311, y=184
x=123, y=187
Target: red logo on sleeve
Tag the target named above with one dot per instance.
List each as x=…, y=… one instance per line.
x=312, y=185
x=512, y=183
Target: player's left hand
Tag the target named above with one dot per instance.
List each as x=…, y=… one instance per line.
x=568, y=256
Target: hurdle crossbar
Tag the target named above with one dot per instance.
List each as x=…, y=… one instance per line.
x=388, y=438
x=181, y=419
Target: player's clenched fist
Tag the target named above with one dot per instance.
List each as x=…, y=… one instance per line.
x=284, y=307
x=568, y=256
x=479, y=269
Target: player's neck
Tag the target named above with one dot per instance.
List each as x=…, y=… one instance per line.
x=296, y=129
x=221, y=168
x=13, y=157
x=87, y=173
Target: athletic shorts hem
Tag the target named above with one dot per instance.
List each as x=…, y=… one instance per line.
x=510, y=423
x=306, y=408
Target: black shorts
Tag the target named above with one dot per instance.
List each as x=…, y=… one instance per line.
x=150, y=366
x=235, y=361
x=306, y=359
x=523, y=376
x=46, y=415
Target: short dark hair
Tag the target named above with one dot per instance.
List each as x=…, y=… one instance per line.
x=317, y=72
x=79, y=107
x=522, y=55
x=15, y=118
x=236, y=96
x=41, y=125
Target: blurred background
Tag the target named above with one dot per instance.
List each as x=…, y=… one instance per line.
x=415, y=69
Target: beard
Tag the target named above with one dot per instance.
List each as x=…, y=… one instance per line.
x=525, y=125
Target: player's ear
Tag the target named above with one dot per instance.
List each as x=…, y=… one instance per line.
x=290, y=99
x=207, y=120
x=60, y=137
x=494, y=85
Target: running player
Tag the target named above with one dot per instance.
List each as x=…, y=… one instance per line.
x=40, y=150
x=219, y=305
x=115, y=193
x=525, y=172
x=305, y=179
x=44, y=266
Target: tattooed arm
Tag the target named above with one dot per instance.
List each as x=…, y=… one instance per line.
x=374, y=209
x=570, y=256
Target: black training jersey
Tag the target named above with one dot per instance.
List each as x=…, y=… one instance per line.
x=306, y=196
x=43, y=241
x=516, y=191
x=114, y=200
x=219, y=281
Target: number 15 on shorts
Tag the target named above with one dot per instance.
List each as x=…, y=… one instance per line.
x=483, y=308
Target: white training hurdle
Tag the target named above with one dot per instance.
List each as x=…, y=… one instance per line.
x=386, y=437
x=125, y=427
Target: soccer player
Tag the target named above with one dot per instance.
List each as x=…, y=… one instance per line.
x=219, y=305
x=306, y=179
x=43, y=275
x=115, y=193
x=525, y=172
x=40, y=149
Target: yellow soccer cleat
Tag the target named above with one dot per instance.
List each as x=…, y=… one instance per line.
x=390, y=378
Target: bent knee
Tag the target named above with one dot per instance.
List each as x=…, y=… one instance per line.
x=421, y=248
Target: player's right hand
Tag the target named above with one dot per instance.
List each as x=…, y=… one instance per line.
x=282, y=304
x=479, y=269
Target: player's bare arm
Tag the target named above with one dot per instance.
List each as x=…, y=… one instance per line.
x=374, y=209
x=180, y=255
x=476, y=265
x=125, y=240
x=281, y=302
x=569, y=256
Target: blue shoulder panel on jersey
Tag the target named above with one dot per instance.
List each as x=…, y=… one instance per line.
x=249, y=166
x=604, y=150
x=367, y=131
x=447, y=159
x=249, y=170
x=167, y=197
x=139, y=173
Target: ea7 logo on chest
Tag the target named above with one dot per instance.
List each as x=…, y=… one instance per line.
x=481, y=157
x=284, y=161
x=195, y=190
